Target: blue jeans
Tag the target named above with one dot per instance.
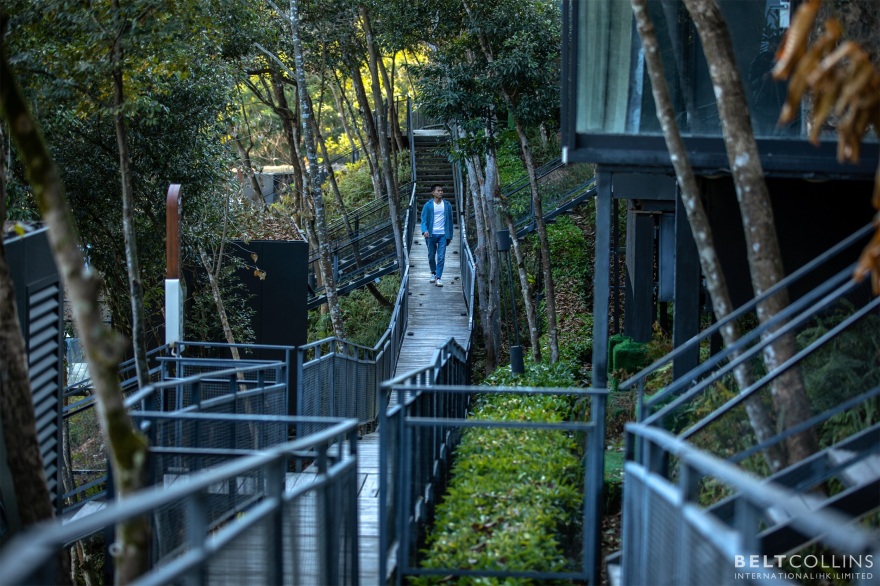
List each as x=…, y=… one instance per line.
x=436, y=246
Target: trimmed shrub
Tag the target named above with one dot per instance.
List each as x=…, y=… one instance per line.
x=629, y=356
x=513, y=502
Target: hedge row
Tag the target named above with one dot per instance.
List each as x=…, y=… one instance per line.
x=514, y=500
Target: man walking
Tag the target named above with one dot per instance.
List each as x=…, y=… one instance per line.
x=437, y=230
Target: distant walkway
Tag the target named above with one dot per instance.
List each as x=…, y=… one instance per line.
x=435, y=313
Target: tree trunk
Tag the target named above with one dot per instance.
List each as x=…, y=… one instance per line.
x=384, y=147
x=372, y=142
x=699, y=222
x=765, y=259
x=218, y=301
x=541, y=227
x=395, y=135
x=103, y=347
x=314, y=185
x=490, y=190
x=531, y=314
x=346, y=127
x=138, y=333
x=371, y=287
x=481, y=262
x=248, y=170
x=288, y=124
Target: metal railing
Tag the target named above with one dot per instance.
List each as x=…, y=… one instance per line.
x=649, y=405
x=425, y=418
x=340, y=378
x=671, y=537
x=240, y=518
x=369, y=255
x=833, y=329
x=85, y=478
x=181, y=383
x=468, y=266
x=678, y=491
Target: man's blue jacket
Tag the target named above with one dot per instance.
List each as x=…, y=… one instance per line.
x=428, y=218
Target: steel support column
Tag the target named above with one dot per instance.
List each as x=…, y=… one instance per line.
x=601, y=277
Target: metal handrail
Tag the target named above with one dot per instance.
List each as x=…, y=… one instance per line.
x=27, y=558
x=746, y=308
x=376, y=363
x=673, y=495
x=785, y=322
x=419, y=406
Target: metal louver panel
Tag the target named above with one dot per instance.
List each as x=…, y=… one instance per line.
x=44, y=336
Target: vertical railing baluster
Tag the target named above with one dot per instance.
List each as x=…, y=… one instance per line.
x=196, y=534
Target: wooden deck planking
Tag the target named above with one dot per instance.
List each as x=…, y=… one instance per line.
x=435, y=313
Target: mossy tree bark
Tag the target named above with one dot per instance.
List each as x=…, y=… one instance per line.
x=314, y=184
x=384, y=142
x=537, y=206
x=696, y=213
x=103, y=346
x=136, y=289
x=764, y=256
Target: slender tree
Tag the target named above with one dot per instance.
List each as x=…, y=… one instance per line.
x=699, y=221
x=383, y=139
x=512, y=82
x=764, y=256
x=103, y=347
x=136, y=291
x=314, y=183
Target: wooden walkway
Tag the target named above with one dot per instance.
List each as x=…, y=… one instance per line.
x=435, y=313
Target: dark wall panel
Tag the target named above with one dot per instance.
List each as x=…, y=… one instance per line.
x=279, y=301
x=810, y=218
x=39, y=298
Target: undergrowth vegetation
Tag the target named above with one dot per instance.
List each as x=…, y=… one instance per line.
x=365, y=319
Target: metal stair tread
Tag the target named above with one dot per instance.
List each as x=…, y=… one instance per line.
x=861, y=472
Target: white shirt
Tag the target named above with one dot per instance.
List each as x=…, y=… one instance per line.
x=439, y=219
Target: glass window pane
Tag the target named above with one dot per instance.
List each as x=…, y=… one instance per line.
x=614, y=94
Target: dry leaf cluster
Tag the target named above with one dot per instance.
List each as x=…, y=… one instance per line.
x=843, y=83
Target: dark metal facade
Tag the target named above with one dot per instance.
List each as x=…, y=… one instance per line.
x=39, y=296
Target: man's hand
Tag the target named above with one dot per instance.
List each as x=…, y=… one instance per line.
x=425, y=234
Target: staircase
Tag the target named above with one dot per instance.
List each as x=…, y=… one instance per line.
x=832, y=494
x=433, y=167
x=371, y=253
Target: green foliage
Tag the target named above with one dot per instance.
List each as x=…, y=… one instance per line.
x=847, y=365
x=175, y=86
x=570, y=256
x=202, y=322
x=629, y=356
x=515, y=496
x=576, y=337
x=365, y=320
x=510, y=165
x=559, y=374
x=355, y=186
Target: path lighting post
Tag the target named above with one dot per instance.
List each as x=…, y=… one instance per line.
x=516, y=355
